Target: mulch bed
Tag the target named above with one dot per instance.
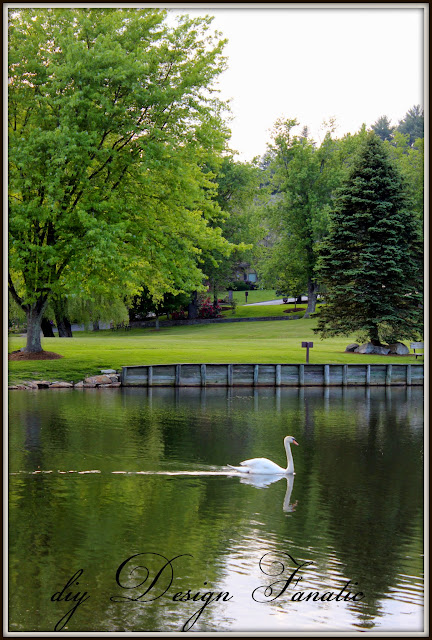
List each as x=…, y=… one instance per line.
x=40, y=355
x=295, y=310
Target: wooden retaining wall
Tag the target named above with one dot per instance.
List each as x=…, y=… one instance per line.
x=271, y=375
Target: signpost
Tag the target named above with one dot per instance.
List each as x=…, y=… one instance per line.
x=307, y=346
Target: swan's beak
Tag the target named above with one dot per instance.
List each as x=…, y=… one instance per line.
x=295, y=442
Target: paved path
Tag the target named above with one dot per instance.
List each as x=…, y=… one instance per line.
x=255, y=304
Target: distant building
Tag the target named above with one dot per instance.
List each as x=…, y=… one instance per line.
x=245, y=272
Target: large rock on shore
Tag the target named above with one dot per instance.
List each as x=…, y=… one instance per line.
x=61, y=385
x=351, y=347
x=102, y=379
x=368, y=347
x=399, y=349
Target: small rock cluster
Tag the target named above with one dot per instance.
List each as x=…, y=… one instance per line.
x=396, y=349
x=109, y=378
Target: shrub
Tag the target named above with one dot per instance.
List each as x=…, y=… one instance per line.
x=179, y=315
x=242, y=285
x=208, y=310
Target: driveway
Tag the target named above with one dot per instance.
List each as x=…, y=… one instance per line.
x=255, y=304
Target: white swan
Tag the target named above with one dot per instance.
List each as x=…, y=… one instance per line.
x=263, y=465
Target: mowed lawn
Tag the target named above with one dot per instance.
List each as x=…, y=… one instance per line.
x=253, y=342
x=257, y=295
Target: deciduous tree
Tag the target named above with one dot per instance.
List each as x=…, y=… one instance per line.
x=304, y=176
x=112, y=116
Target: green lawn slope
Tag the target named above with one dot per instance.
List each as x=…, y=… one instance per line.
x=253, y=342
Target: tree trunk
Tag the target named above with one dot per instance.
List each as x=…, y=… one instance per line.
x=374, y=336
x=47, y=329
x=34, y=320
x=215, y=299
x=62, y=321
x=64, y=327
x=96, y=326
x=157, y=323
x=193, y=307
x=312, y=297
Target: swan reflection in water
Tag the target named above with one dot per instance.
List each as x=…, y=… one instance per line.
x=262, y=481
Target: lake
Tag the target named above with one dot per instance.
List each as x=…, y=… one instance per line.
x=123, y=516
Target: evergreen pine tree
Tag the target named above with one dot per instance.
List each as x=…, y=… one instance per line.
x=371, y=262
x=383, y=128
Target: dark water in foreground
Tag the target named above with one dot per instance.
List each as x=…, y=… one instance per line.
x=352, y=513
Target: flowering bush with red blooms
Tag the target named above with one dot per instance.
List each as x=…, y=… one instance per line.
x=178, y=315
x=208, y=310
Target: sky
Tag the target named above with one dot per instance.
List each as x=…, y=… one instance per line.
x=353, y=64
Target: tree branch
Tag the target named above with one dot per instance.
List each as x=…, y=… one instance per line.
x=14, y=294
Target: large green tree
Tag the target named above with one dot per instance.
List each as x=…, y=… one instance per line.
x=383, y=128
x=412, y=123
x=410, y=161
x=112, y=118
x=303, y=177
x=371, y=261
x=237, y=196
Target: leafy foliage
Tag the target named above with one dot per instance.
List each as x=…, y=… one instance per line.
x=111, y=121
x=303, y=177
x=144, y=304
x=209, y=310
x=236, y=195
x=410, y=161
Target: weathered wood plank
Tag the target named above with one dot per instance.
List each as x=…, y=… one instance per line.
x=301, y=375
x=278, y=375
x=255, y=375
x=389, y=374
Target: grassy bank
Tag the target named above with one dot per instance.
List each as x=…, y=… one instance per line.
x=260, y=342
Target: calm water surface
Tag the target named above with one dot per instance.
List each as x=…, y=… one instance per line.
x=159, y=487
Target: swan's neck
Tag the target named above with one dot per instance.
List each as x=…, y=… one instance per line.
x=290, y=461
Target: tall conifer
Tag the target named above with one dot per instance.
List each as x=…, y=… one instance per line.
x=371, y=262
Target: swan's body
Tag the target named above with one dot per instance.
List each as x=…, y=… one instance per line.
x=263, y=465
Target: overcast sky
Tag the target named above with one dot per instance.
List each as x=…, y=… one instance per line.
x=352, y=63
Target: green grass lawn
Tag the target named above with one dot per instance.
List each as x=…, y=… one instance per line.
x=274, y=310
x=257, y=295
x=255, y=342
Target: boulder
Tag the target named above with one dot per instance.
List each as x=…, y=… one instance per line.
x=89, y=385
x=368, y=347
x=32, y=385
x=352, y=347
x=61, y=385
x=43, y=384
x=102, y=379
x=399, y=349
x=114, y=378
x=109, y=386
x=79, y=385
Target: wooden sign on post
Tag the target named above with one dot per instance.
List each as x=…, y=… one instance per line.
x=307, y=346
